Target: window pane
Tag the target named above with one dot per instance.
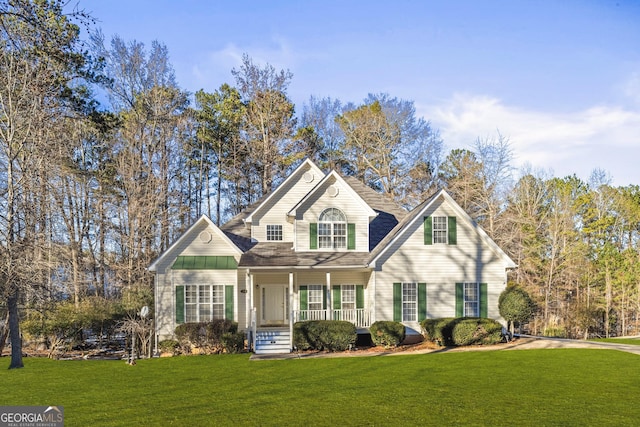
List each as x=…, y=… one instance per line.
x=191, y=313
x=409, y=302
x=191, y=294
x=439, y=229
x=218, y=294
x=274, y=232
x=315, y=297
x=348, y=297
x=471, y=300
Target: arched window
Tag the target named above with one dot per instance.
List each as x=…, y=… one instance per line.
x=332, y=229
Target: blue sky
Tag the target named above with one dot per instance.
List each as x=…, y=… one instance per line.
x=560, y=79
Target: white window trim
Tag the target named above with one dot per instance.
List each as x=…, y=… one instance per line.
x=353, y=291
x=407, y=301
x=476, y=302
x=278, y=231
x=437, y=233
x=333, y=237
x=315, y=289
x=197, y=303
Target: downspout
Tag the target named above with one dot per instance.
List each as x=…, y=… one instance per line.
x=155, y=315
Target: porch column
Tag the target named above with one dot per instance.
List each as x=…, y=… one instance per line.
x=291, y=310
x=329, y=296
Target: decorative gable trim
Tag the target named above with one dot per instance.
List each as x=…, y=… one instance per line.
x=306, y=171
x=188, y=235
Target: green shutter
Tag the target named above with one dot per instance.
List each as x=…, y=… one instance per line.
x=422, y=301
x=313, y=235
x=359, y=296
x=304, y=298
x=179, y=304
x=483, y=300
x=336, y=298
x=397, y=302
x=325, y=294
x=351, y=236
x=459, y=299
x=428, y=230
x=453, y=237
x=228, y=302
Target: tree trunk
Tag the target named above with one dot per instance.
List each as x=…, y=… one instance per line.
x=14, y=331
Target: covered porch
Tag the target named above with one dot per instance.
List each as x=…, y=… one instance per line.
x=278, y=299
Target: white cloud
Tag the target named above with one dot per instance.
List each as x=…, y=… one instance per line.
x=214, y=68
x=604, y=137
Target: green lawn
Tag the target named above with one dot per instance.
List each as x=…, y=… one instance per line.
x=524, y=387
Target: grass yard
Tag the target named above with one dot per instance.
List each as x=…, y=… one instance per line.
x=523, y=388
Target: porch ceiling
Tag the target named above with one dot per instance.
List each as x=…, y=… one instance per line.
x=282, y=255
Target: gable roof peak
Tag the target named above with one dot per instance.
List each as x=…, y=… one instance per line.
x=300, y=172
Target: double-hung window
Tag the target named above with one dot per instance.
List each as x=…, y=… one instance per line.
x=471, y=300
x=204, y=302
x=315, y=297
x=440, y=229
x=274, y=233
x=409, y=302
x=332, y=229
x=348, y=297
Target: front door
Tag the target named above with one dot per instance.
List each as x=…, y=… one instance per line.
x=274, y=305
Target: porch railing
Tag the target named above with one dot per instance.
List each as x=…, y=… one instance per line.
x=359, y=317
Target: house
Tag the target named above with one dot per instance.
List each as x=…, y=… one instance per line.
x=325, y=246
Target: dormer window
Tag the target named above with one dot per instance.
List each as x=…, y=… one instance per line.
x=332, y=229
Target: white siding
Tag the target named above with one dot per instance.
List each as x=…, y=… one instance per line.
x=274, y=211
x=310, y=211
x=440, y=266
x=167, y=279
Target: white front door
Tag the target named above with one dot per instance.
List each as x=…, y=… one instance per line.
x=274, y=305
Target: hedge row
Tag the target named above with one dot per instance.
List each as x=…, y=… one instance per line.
x=216, y=336
x=462, y=331
x=330, y=335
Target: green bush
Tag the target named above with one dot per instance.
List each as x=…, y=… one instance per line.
x=233, y=342
x=462, y=331
x=330, y=335
x=204, y=336
x=516, y=306
x=387, y=333
x=438, y=330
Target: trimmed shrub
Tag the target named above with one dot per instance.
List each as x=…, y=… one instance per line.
x=516, y=306
x=462, y=331
x=233, y=342
x=330, y=335
x=206, y=337
x=438, y=330
x=387, y=333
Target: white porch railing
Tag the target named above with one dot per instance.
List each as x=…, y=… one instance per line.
x=359, y=317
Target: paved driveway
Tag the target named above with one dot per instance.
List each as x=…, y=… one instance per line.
x=530, y=342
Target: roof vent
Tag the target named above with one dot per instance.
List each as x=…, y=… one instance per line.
x=205, y=237
x=308, y=177
x=332, y=191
